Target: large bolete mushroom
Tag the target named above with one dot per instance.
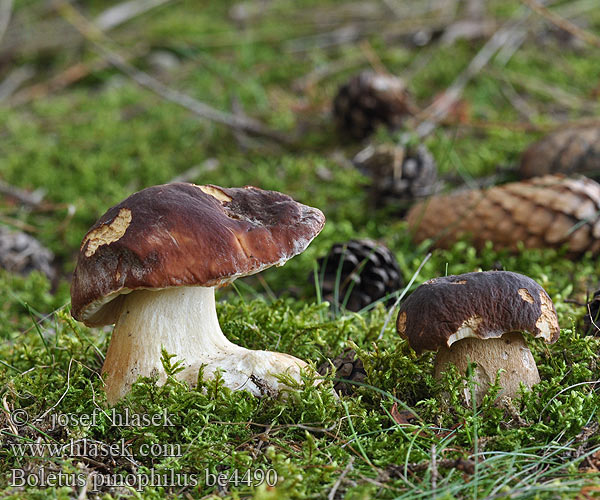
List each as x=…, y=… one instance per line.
x=478, y=318
x=150, y=265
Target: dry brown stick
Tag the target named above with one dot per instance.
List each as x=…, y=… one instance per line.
x=527, y=127
x=374, y=60
x=308, y=81
x=22, y=226
x=197, y=107
x=338, y=483
x=91, y=33
x=583, y=437
x=27, y=198
x=14, y=80
x=65, y=78
x=538, y=86
x=434, y=467
x=196, y=170
x=49, y=33
x=60, y=81
x=5, y=14
x=242, y=139
x=563, y=23
x=125, y=11
x=107, y=20
x=436, y=112
x=486, y=125
x=525, y=110
x=264, y=437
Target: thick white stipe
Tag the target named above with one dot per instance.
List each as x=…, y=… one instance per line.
x=183, y=320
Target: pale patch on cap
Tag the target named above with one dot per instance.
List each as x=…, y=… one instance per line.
x=108, y=233
x=401, y=324
x=215, y=193
x=547, y=323
x=525, y=295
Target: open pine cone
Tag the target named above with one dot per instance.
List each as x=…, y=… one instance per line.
x=544, y=212
x=368, y=100
x=574, y=150
x=347, y=366
x=368, y=271
x=398, y=175
x=22, y=254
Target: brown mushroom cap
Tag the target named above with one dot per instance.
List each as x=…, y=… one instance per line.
x=481, y=305
x=182, y=234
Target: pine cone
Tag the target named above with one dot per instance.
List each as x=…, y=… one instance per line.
x=368, y=272
x=21, y=253
x=347, y=366
x=574, y=150
x=398, y=174
x=591, y=322
x=369, y=100
x=544, y=212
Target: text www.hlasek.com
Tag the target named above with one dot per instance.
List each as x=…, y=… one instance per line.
x=94, y=449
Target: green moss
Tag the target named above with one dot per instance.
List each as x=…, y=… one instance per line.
x=92, y=144
x=310, y=435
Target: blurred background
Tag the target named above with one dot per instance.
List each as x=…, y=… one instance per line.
x=99, y=99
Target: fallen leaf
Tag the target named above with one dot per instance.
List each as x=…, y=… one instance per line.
x=402, y=417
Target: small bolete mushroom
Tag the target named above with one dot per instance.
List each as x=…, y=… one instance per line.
x=478, y=318
x=150, y=265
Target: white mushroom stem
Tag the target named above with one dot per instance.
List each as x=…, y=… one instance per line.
x=183, y=320
x=509, y=353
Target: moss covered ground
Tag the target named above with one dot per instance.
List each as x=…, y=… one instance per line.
x=403, y=434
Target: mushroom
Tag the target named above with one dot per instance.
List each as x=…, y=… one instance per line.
x=151, y=263
x=478, y=318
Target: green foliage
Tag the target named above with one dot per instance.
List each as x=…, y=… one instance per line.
x=92, y=144
x=308, y=435
x=24, y=299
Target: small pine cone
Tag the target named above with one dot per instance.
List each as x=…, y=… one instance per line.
x=368, y=100
x=21, y=253
x=368, y=272
x=591, y=322
x=574, y=150
x=544, y=212
x=347, y=366
x=398, y=174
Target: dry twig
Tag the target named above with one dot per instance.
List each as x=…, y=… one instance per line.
x=107, y=20
x=5, y=14
x=563, y=23
x=310, y=80
x=95, y=36
x=32, y=199
x=195, y=171
x=49, y=33
x=434, y=467
x=14, y=80
x=436, y=112
x=539, y=86
x=337, y=484
x=123, y=12
x=60, y=81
